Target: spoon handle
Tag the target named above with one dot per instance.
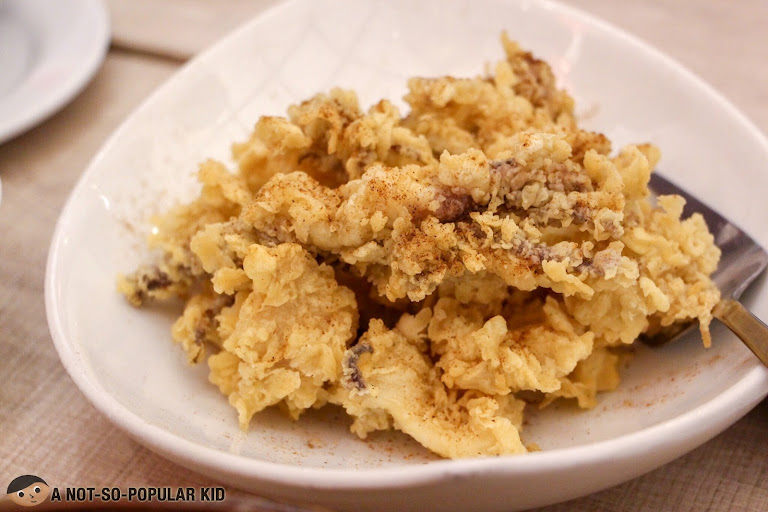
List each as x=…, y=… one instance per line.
x=745, y=325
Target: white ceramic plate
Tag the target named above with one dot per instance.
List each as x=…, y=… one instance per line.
x=671, y=400
x=49, y=50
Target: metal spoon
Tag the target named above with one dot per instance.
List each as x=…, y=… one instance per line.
x=741, y=262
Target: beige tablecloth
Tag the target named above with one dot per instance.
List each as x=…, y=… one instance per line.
x=47, y=427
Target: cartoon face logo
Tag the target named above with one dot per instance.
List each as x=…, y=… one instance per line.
x=28, y=490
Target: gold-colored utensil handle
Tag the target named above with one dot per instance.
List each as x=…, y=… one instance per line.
x=745, y=325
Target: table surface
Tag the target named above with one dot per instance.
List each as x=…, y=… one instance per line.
x=47, y=426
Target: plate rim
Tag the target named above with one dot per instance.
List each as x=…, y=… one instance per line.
x=87, y=66
x=748, y=391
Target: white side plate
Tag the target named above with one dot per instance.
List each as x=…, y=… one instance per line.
x=49, y=50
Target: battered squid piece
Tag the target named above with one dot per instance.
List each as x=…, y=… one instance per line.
x=290, y=336
x=487, y=356
x=221, y=247
x=535, y=81
x=377, y=137
x=457, y=114
x=390, y=380
x=671, y=284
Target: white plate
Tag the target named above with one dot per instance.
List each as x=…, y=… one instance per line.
x=671, y=400
x=49, y=50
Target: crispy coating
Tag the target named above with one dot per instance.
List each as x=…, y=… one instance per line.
x=488, y=356
x=388, y=381
x=290, y=335
x=428, y=272
x=411, y=227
